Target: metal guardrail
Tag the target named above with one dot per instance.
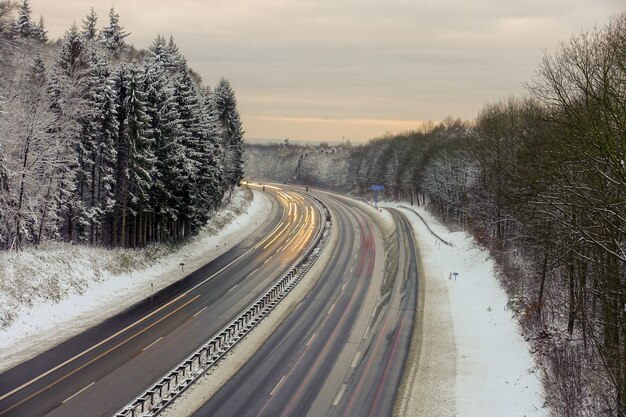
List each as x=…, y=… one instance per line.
x=154, y=400
x=427, y=226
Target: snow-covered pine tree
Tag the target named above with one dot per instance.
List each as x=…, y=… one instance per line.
x=135, y=160
x=71, y=57
x=212, y=173
x=71, y=79
x=169, y=174
x=24, y=27
x=141, y=158
x=186, y=100
x=98, y=132
x=177, y=61
x=166, y=55
x=90, y=29
x=112, y=36
x=232, y=132
x=39, y=31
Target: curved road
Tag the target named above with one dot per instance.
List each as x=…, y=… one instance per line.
x=96, y=373
x=341, y=352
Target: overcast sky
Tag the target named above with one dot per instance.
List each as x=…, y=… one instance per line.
x=328, y=69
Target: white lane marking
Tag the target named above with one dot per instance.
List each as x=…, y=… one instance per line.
x=268, y=259
x=278, y=385
x=250, y=274
x=67, y=399
x=311, y=339
x=200, y=311
x=355, y=361
x=331, y=308
x=339, y=394
x=234, y=286
x=151, y=344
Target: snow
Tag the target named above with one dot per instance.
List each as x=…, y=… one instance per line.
x=494, y=373
x=91, y=284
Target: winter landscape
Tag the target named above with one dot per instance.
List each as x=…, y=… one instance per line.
x=242, y=210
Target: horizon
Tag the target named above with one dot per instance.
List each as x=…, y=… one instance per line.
x=357, y=70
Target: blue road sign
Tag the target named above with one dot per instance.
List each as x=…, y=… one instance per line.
x=377, y=187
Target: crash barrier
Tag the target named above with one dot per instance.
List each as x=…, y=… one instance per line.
x=427, y=226
x=154, y=400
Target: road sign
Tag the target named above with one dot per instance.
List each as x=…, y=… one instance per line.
x=377, y=187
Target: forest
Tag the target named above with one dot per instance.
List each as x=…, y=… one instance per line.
x=541, y=182
x=105, y=144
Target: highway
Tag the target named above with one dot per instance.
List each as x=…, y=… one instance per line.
x=99, y=371
x=341, y=352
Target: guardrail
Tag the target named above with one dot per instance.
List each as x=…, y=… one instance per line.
x=154, y=400
x=427, y=226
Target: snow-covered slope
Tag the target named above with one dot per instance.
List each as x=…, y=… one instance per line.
x=50, y=294
x=494, y=372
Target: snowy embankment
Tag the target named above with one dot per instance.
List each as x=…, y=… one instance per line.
x=471, y=359
x=49, y=294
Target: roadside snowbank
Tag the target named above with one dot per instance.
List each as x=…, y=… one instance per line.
x=51, y=294
x=494, y=374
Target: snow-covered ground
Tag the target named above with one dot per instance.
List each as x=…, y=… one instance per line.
x=50, y=294
x=473, y=360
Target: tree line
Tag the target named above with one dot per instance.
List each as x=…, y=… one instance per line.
x=541, y=181
x=105, y=144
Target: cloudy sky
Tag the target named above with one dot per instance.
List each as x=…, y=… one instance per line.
x=354, y=69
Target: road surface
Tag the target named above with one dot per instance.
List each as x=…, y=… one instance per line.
x=341, y=352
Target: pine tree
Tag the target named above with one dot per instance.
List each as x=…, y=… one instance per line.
x=98, y=130
x=71, y=53
x=177, y=61
x=90, y=30
x=169, y=174
x=135, y=160
x=112, y=36
x=39, y=31
x=191, y=195
x=232, y=132
x=212, y=151
x=23, y=26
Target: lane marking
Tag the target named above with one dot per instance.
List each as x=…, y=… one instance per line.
x=331, y=308
x=311, y=339
x=152, y=344
x=278, y=385
x=268, y=259
x=200, y=311
x=355, y=361
x=339, y=394
x=234, y=286
x=69, y=398
x=97, y=357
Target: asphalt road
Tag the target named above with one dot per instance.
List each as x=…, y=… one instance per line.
x=341, y=352
x=99, y=371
